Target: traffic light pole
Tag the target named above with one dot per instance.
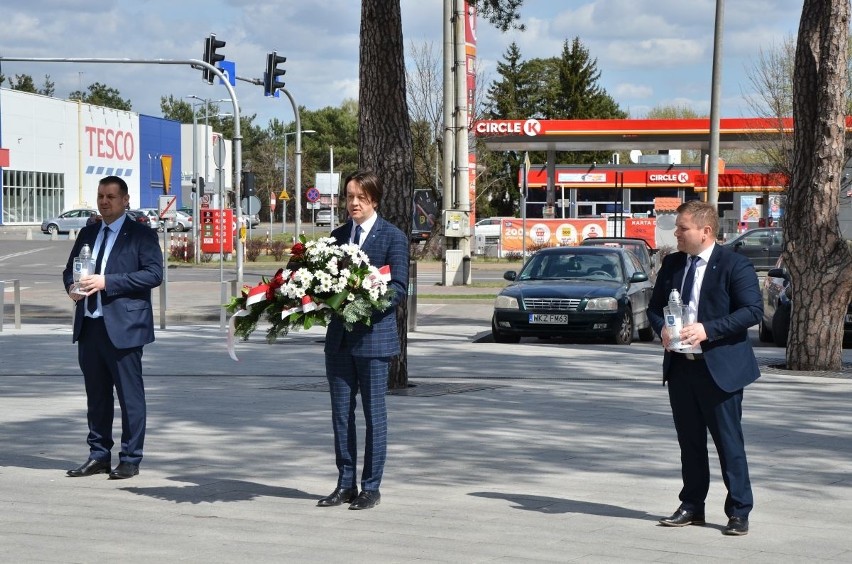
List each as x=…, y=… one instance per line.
x=194, y=63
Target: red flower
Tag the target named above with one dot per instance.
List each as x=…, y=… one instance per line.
x=297, y=252
x=276, y=282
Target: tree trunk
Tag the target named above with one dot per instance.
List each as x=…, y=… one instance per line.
x=819, y=261
x=384, y=136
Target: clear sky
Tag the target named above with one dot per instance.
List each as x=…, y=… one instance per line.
x=649, y=52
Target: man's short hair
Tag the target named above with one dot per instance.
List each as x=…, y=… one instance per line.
x=703, y=214
x=117, y=180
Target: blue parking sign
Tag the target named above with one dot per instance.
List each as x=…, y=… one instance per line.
x=229, y=69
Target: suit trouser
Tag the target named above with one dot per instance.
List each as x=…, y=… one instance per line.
x=348, y=375
x=105, y=367
x=699, y=405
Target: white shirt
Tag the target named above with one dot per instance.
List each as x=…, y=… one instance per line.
x=114, y=228
x=692, y=307
x=365, y=229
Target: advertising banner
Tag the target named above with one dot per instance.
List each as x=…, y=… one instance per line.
x=548, y=232
x=642, y=229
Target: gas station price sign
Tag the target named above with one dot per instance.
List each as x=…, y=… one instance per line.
x=215, y=222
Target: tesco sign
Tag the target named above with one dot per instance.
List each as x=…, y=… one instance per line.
x=107, y=143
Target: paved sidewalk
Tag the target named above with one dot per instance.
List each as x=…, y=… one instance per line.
x=537, y=452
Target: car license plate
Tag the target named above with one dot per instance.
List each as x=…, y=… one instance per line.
x=548, y=318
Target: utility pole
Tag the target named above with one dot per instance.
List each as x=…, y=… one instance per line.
x=716, y=92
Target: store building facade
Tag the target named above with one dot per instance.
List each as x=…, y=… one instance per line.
x=54, y=152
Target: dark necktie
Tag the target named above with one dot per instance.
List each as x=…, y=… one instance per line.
x=689, y=280
x=357, y=238
x=92, y=303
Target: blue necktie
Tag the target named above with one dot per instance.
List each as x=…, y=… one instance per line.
x=92, y=303
x=689, y=280
x=357, y=238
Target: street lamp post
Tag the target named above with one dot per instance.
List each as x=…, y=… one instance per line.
x=286, y=155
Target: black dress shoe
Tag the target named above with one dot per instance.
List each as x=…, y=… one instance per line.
x=366, y=500
x=123, y=471
x=682, y=518
x=89, y=468
x=338, y=497
x=737, y=527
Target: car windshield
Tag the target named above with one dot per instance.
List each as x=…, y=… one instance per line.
x=569, y=266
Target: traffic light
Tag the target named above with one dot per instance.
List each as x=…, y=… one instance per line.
x=211, y=57
x=248, y=184
x=270, y=79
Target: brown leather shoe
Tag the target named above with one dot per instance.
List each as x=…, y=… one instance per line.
x=682, y=518
x=89, y=468
x=338, y=497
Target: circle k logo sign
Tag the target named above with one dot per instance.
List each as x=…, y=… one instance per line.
x=683, y=177
x=532, y=127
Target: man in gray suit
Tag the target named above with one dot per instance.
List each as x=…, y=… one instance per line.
x=113, y=320
x=358, y=360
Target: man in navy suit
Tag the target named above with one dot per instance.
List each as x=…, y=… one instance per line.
x=358, y=360
x=113, y=320
x=707, y=378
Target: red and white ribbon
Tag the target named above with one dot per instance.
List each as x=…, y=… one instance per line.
x=256, y=295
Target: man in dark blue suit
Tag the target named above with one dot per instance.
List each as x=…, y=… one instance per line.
x=358, y=360
x=113, y=320
x=706, y=379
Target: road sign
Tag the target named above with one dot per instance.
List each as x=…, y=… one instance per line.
x=229, y=69
x=167, y=206
x=218, y=150
x=283, y=195
x=312, y=194
x=251, y=205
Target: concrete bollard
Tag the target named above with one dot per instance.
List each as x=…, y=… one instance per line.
x=72, y=234
x=29, y=234
x=54, y=236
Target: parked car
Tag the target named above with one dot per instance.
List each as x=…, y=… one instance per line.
x=323, y=217
x=154, y=217
x=778, y=306
x=575, y=291
x=139, y=217
x=66, y=221
x=488, y=228
x=639, y=247
x=762, y=246
x=181, y=221
x=252, y=220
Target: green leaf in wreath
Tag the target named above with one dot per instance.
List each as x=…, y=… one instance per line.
x=335, y=301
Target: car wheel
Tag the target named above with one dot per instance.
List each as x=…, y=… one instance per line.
x=53, y=229
x=179, y=228
x=764, y=333
x=500, y=337
x=160, y=228
x=624, y=332
x=646, y=334
x=781, y=326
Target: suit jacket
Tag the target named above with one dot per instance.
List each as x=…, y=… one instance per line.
x=729, y=303
x=385, y=245
x=135, y=266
